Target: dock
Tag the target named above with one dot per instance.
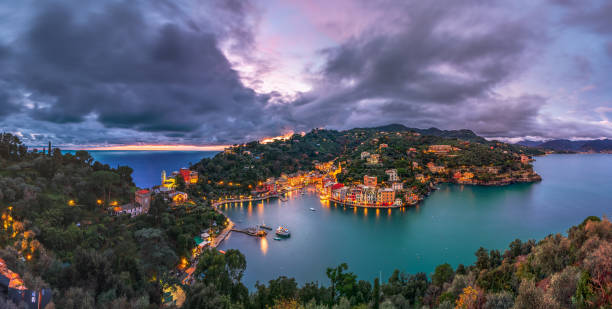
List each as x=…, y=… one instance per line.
x=251, y=232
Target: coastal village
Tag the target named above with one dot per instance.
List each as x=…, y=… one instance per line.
x=381, y=187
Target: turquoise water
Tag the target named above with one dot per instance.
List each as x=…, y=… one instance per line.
x=449, y=226
x=148, y=165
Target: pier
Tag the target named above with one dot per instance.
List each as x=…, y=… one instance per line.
x=251, y=232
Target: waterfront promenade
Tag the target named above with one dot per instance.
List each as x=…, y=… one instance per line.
x=363, y=205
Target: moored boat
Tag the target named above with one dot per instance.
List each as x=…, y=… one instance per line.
x=265, y=227
x=283, y=232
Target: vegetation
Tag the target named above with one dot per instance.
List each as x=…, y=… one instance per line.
x=242, y=167
x=58, y=231
x=557, y=272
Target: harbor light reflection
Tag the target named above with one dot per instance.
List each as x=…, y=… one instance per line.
x=263, y=245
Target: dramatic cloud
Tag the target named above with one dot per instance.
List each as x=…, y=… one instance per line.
x=121, y=65
x=218, y=72
x=432, y=60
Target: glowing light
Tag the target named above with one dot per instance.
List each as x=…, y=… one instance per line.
x=263, y=245
x=283, y=137
x=71, y=203
x=184, y=263
x=99, y=202
x=114, y=203
x=28, y=257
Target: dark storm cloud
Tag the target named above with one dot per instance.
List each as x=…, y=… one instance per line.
x=439, y=61
x=595, y=16
x=124, y=65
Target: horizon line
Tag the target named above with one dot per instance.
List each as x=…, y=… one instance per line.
x=150, y=147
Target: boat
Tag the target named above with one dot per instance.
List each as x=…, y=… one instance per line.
x=283, y=232
x=277, y=238
x=312, y=209
x=265, y=227
x=283, y=199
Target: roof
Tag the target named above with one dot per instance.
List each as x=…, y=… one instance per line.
x=337, y=186
x=190, y=270
x=198, y=240
x=143, y=191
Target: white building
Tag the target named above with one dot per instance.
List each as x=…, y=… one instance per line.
x=392, y=173
x=397, y=186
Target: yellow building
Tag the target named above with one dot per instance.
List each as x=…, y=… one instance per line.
x=168, y=183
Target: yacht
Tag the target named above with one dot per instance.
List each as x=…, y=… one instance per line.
x=283, y=232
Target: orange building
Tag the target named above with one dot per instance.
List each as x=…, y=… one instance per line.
x=370, y=181
x=386, y=196
x=524, y=159
x=143, y=197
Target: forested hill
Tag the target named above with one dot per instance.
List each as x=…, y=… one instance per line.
x=58, y=232
x=564, y=145
x=248, y=164
x=467, y=135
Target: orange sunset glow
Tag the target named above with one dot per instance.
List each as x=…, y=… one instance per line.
x=160, y=147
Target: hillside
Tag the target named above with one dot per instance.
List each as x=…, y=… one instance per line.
x=464, y=134
x=60, y=233
x=239, y=169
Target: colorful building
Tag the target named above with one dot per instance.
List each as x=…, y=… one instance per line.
x=439, y=149
x=370, y=181
x=189, y=176
x=392, y=173
x=386, y=197
x=524, y=159
x=397, y=186
x=167, y=184
x=435, y=169
x=143, y=197
x=374, y=159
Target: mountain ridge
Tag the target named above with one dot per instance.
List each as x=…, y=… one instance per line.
x=565, y=145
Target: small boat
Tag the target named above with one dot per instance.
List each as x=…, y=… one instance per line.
x=277, y=238
x=283, y=199
x=312, y=209
x=283, y=232
x=265, y=227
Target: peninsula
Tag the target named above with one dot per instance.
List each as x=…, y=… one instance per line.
x=389, y=166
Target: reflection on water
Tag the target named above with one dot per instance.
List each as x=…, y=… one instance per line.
x=263, y=245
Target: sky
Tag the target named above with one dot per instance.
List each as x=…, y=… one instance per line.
x=95, y=73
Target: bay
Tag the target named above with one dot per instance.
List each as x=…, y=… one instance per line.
x=449, y=226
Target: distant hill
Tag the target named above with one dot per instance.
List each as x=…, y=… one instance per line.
x=597, y=145
x=464, y=134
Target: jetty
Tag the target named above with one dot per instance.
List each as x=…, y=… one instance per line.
x=251, y=231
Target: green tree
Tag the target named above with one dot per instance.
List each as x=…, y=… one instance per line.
x=443, y=273
x=203, y=296
x=376, y=293
x=342, y=284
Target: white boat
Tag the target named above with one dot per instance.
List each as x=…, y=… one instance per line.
x=312, y=209
x=282, y=232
